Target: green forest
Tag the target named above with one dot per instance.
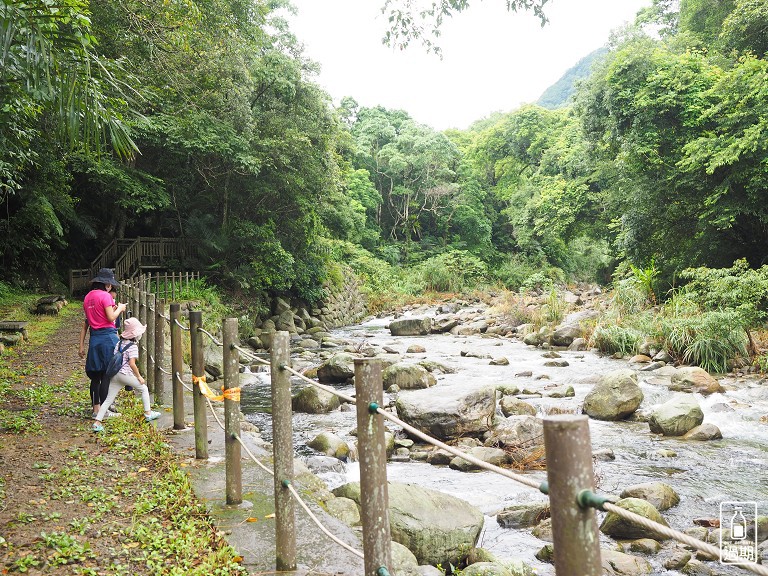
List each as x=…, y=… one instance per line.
x=200, y=120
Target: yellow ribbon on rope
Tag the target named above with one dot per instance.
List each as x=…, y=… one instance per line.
x=205, y=390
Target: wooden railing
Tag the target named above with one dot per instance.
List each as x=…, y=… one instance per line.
x=130, y=256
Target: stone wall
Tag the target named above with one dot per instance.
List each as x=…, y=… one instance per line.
x=344, y=305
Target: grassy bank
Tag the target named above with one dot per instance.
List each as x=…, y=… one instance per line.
x=72, y=502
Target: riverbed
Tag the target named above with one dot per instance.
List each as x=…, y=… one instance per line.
x=703, y=473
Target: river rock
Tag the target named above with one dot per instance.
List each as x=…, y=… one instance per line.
x=451, y=414
x=703, y=432
x=617, y=563
x=564, y=391
x=415, y=349
x=500, y=361
x=404, y=563
x=618, y=528
x=578, y=345
x=543, y=530
x=696, y=568
x=344, y=509
x=517, y=431
x=676, y=559
x=614, y=397
x=410, y=327
x=429, y=570
x=546, y=553
x=498, y=568
x=676, y=416
x=313, y=400
x=435, y=527
x=643, y=546
x=694, y=379
x=443, y=323
x=338, y=368
x=408, y=376
x=662, y=496
x=511, y=406
x=494, y=456
x=324, y=464
x=523, y=515
x=329, y=444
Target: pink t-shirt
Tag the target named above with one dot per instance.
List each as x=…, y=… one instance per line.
x=94, y=304
x=129, y=352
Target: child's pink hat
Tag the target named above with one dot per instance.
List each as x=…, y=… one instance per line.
x=133, y=329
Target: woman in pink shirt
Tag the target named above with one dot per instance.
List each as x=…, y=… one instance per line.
x=101, y=312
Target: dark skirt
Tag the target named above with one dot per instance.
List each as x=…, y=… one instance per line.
x=101, y=347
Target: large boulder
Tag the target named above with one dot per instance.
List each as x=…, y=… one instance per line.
x=436, y=527
x=407, y=376
x=694, y=379
x=338, y=368
x=618, y=528
x=452, y=413
x=614, y=397
x=410, y=326
x=676, y=416
x=313, y=400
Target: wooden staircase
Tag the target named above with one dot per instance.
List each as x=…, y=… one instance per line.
x=130, y=257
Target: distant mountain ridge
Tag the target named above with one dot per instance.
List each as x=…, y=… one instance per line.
x=562, y=91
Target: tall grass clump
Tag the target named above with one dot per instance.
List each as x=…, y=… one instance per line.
x=710, y=339
x=616, y=339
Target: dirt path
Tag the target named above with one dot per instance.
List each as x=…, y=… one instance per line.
x=71, y=501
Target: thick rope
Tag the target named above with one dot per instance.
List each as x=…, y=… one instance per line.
x=318, y=385
x=680, y=537
x=319, y=524
x=180, y=325
x=211, y=336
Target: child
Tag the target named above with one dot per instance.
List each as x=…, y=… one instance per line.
x=128, y=375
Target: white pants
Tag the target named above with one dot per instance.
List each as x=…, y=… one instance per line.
x=118, y=382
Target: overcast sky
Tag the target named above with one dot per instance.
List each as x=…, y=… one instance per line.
x=492, y=59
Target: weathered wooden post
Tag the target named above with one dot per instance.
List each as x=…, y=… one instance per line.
x=569, y=472
x=282, y=449
x=198, y=372
x=177, y=368
x=150, y=344
x=374, y=496
x=143, y=319
x=159, y=350
x=232, y=453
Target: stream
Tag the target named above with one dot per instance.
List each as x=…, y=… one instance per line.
x=702, y=473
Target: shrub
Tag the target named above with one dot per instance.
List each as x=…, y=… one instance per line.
x=452, y=271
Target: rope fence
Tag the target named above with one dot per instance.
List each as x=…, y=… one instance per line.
x=570, y=477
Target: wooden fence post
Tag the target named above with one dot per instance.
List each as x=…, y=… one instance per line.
x=374, y=496
x=177, y=367
x=198, y=371
x=232, y=453
x=159, y=350
x=150, y=343
x=143, y=319
x=569, y=471
x=282, y=449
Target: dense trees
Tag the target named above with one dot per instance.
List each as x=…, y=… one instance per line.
x=659, y=161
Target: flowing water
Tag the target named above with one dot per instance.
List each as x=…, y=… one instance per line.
x=703, y=473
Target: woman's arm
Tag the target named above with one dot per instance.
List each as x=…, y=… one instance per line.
x=81, y=350
x=114, y=310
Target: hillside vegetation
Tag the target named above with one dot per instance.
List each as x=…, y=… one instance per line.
x=201, y=120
